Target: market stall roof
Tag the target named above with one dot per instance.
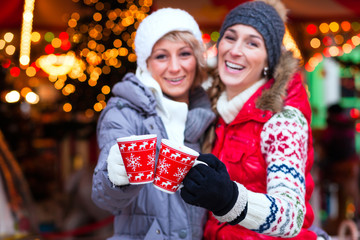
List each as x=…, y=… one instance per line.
x=211, y=12
x=51, y=15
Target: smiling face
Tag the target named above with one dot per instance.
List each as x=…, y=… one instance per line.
x=242, y=57
x=173, y=65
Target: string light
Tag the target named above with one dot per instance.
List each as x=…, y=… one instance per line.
x=332, y=40
x=25, y=44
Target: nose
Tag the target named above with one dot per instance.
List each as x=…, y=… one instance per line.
x=174, y=64
x=237, y=50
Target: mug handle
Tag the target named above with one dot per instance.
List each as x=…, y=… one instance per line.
x=195, y=163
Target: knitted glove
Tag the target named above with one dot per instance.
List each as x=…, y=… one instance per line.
x=115, y=166
x=210, y=186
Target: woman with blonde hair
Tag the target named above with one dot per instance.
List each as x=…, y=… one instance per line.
x=163, y=98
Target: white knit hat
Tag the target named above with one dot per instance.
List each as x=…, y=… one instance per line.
x=156, y=25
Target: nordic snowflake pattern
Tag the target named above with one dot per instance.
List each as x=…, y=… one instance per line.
x=151, y=159
x=133, y=162
x=180, y=174
x=163, y=167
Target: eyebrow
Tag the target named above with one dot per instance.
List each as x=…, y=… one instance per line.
x=251, y=35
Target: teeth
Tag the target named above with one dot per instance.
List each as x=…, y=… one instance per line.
x=233, y=65
x=175, y=79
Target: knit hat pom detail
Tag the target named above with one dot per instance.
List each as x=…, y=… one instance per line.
x=278, y=6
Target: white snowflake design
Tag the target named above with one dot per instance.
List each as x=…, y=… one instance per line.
x=163, y=167
x=133, y=162
x=151, y=159
x=180, y=174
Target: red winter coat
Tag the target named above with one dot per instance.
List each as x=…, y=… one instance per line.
x=238, y=146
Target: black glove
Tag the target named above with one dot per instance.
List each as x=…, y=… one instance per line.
x=210, y=186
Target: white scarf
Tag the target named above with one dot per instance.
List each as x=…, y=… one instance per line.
x=228, y=110
x=172, y=113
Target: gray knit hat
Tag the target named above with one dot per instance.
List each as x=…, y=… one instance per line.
x=266, y=20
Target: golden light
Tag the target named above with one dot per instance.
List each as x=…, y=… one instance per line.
x=69, y=88
x=89, y=113
x=25, y=91
x=97, y=16
x=315, y=43
x=334, y=26
x=67, y=107
x=25, y=43
x=100, y=97
x=313, y=62
x=334, y=51
x=98, y=107
x=57, y=65
x=32, y=98
x=105, y=89
x=132, y=57
x=117, y=43
x=10, y=50
x=347, y=48
x=56, y=42
x=12, y=97
x=59, y=84
x=324, y=27
x=106, y=69
x=94, y=76
x=75, y=16
x=93, y=58
x=8, y=37
x=52, y=78
x=72, y=23
x=100, y=48
x=99, y=6
x=35, y=36
x=2, y=44
x=82, y=78
x=339, y=39
x=355, y=40
x=92, y=83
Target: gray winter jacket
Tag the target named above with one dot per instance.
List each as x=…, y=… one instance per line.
x=141, y=211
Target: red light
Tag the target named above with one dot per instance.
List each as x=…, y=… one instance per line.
x=327, y=41
x=6, y=63
x=357, y=127
x=64, y=36
x=346, y=26
x=206, y=38
x=354, y=113
x=311, y=29
x=65, y=45
x=326, y=52
x=15, y=71
x=49, y=49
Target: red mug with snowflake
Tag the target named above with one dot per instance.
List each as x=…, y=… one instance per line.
x=138, y=153
x=173, y=164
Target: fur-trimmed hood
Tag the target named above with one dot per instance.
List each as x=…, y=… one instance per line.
x=272, y=98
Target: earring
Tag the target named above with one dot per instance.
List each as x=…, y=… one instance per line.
x=265, y=71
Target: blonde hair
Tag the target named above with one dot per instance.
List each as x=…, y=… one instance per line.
x=199, y=53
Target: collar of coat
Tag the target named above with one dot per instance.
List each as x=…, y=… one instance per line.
x=273, y=98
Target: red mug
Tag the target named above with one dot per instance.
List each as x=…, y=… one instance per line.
x=138, y=153
x=173, y=164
